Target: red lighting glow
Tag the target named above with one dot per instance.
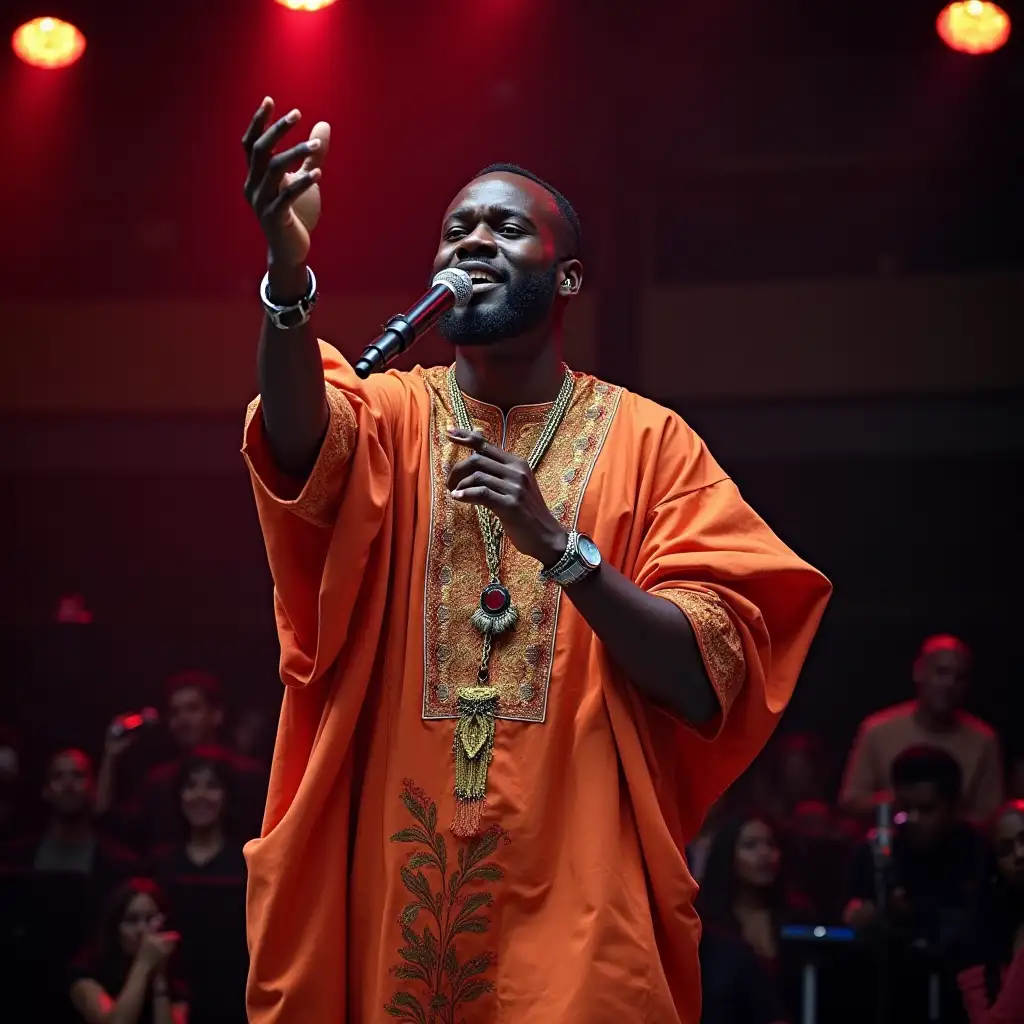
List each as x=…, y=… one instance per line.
x=48, y=43
x=974, y=26
x=305, y=5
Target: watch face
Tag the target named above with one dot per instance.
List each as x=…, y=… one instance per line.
x=588, y=552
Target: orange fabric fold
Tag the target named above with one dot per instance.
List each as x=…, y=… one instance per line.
x=573, y=904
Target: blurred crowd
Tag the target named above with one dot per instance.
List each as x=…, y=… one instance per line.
x=123, y=886
x=896, y=895
x=901, y=899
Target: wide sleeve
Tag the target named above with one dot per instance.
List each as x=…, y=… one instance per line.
x=754, y=607
x=339, y=509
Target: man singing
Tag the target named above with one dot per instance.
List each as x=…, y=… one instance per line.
x=529, y=633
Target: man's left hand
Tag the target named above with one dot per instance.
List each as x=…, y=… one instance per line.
x=506, y=485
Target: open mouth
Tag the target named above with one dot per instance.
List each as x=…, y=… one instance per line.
x=483, y=277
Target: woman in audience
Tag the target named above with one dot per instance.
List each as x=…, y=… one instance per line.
x=743, y=899
x=126, y=975
x=993, y=986
x=743, y=893
x=205, y=876
x=205, y=805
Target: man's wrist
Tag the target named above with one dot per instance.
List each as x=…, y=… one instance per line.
x=554, y=548
x=287, y=283
x=579, y=559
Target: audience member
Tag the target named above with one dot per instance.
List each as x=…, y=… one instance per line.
x=937, y=860
x=205, y=790
x=253, y=734
x=69, y=841
x=928, y=882
x=126, y=975
x=936, y=718
x=993, y=985
x=195, y=713
x=799, y=768
x=802, y=779
x=205, y=876
x=743, y=894
x=816, y=840
x=10, y=783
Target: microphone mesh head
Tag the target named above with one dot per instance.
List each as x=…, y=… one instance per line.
x=459, y=282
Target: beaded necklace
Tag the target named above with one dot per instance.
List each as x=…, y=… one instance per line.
x=478, y=705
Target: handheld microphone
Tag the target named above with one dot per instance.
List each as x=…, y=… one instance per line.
x=449, y=288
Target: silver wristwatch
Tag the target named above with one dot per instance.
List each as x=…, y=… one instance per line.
x=581, y=558
x=287, y=317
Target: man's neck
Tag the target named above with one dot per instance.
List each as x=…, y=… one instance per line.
x=931, y=722
x=70, y=830
x=521, y=371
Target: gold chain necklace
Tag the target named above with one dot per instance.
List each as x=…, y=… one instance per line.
x=478, y=705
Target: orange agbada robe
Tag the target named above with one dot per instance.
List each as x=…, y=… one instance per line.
x=573, y=905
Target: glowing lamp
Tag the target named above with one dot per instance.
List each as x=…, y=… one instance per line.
x=48, y=43
x=305, y=5
x=974, y=26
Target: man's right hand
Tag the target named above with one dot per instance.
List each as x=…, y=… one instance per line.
x=287, y=202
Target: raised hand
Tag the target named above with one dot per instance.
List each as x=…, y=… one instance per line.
x=506, y=485
x=115, y=743
x=282, y=187
x=157, y=945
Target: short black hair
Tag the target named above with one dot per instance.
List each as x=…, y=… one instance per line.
x=924, y=763
x=565, y=208
x=63, y=752
x=196, y=679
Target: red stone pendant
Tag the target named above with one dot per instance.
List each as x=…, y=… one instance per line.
x=496, y=612
x=495, y=599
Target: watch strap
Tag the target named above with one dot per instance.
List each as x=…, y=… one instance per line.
x=570, y=567
x=287, y=318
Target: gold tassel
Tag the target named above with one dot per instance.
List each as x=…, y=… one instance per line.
x=474, y=750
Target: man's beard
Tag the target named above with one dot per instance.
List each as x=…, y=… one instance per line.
x=527, y=305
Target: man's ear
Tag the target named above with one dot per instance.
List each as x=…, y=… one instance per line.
x=570, y=278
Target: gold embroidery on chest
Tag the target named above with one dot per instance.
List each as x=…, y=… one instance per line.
x=456, y=571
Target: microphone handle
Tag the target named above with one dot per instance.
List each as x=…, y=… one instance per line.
x=398, y=335
x=401, y=331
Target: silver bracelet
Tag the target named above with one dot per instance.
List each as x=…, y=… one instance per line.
x=287, y=318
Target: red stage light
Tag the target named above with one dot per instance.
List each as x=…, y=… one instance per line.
x=305, y=5
x=975, y=26
x=48, y=43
